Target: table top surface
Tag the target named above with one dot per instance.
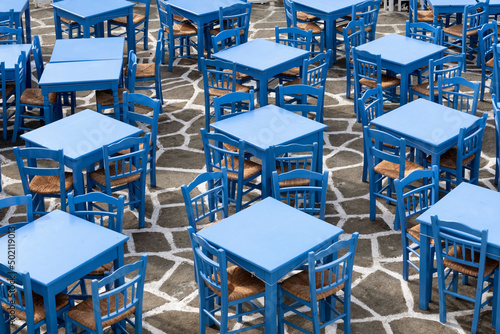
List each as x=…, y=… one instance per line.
x=85, y=49
x=201, y=7
x=458, y=3
x=17, y=5
x=328, y=6
x=270, y=234
x=58, y=243
x=401, y=50
x=10, y=54
x=81, y=72
x=90, y=8
x=268, y=126
x=260, y=54
x=81, y=134
x=425, y=121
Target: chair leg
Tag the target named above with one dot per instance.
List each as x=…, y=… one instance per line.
x=406, y=255
x=281, y=312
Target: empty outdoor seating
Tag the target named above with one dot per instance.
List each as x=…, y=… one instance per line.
x=233, y=103
x=462, y=249
x=297, y=98
x=354, y=35
x=8, y=90
x=114, y=304
x=70, y=25
x=314, y=71
x=318, y=34
x=453, y=92
x=11, y=201
x=140, y=22
x=225, y=39
x=496, y=111
x=10, y=35
x=294, y=156
x=323, y=280
x=229, y=286
x=424, y=15
x=488, y=38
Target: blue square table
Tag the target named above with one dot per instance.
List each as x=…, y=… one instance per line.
x=94, y=12
x=268, y=126
x=10, y=54
x=270, y=239
x=428, y=126
x=59, y=249
x=403, y=55
x=262, y=59
x=88, y=49
x=81, y=136
x=20, y=7
x=329, y=11
x=458, y=6
x=201, y=12
x=468, y=204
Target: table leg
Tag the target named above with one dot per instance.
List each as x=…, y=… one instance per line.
x=27, y=24
x=49, y=301
x=86, y=30
x=403, y=90
x=131, y=31
x=266, y=175
x=262, y=91
x=425, y=274
x=57, y=24
x=116, y=103
x=201, y=44
x=46, y=106
x=271, y=307
x=329, y=36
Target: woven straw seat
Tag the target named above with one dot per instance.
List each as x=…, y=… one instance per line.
x=99, y=176
x=240, y=284
x=449, y=159
x=240, y=76
x=179, y=18
x=222, y=92
x=456, y=30
x=293, y=72
x=48, y=185
x=230, y=147
x=105, y=97
x=316, y=29
x=84, y=312
x=34, y=96
x=8, y=89
x=490, y=62
x=425, y=16
x=301, y=16
x=489, y=266
x=62, y=300
x=68, y=21
x=385, y=144
x=183, y=29
x=415, y=232
x=423, y=88
x=123, y=19
x=144, y=70
x=298, y=285
x=391, y=169
x=102, y=269
x=291, y=182
x=341, y=27
x=387, y=81
x=216, y=31
x=250, y=169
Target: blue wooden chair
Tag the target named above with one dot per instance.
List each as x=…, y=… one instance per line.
x=178, y=38
x=108, y=308
x=7, y=20
x=295, y=98
x=25, y=200
x=140, y=21
x=294, y=156
x=41, y=181
x=488, y=38
x=314, y=71
x=240, y=171
x=208, y=203
x=463, y=250
x=327, y=275
x=415, y=194
x=231, y=104
x=354, y=35
x=10, y=35
x=231, y=286
x=104, y=98
x=124, y=171
x=304, y=197
x=8, y=93
x=385, y=162
x=496, y=111
x=68, y=26
x=226, y=39
x=451, y=95
x=425, y=14
x=16, y=293
x=318, y=34
x=130, y=101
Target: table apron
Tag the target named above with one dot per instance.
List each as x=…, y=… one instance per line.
x=264, y=75
x=93, y=20
x=113, y=85
x=323, y=15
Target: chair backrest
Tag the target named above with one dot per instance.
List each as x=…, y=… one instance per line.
x=236, y=16
x=11, y=201
x=293, y=192
x=225, y=39
x=37, y=54
x=367, y=66
x=165, y=16
x=120, y=298
x=159, y=52
x=19, y=75
x=424, y=32
x=209, y=202
x=10, y=35
x=290, y=13
x=455, y=97
x=131, y=70
x=447, y=67
x=315, y=70
x=413, y=8
x=496, y=71
x=496, y=115
x=488, y=37
x=294, y=37
x=368, y=11
x=7, y=20
x=231, y=104
x=214, y=76
x=95, y=211
x=371, y=105
x=378, y=152
x=475, y=16
x=354, y=35
x=329, y=270
x=301, y=94
x=217, y=156
x=416, y=193
x=294, y=156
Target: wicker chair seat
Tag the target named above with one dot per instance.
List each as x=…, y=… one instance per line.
x=105, y=97
x=179, y=18
x=240, y=76
x=301, y=16
x=456, y=30
x=391, y=169
x=489, y=266
x=8, y=89
x=250, y=168
x=144, y=70
x=340, y=28
x=387, y=82
x=293, y=72
x=415, y=232
x=291, y=182
x=183, y=29
x=102, y=269
x=137, y=18
x=385, y=144
x=423, y=89
x=216, y=31
x=316, y=29
x=34, y=97
x=99, y=176
x=298, y=285
x=490, y=63
x=68, y=21
x=230, y=147
x=84, y=312
x=240, y=284
x=62, y=300
x=49, y=184
x=449, y=159
x=425, y=16
x=222, y=92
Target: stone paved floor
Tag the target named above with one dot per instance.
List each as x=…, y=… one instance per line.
x=382, y=302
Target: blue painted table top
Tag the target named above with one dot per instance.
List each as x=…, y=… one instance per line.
x=10, y=53
x=426, y=122
x=401, y=50
x=57, y=243
x=202, y=7
x=81, y=72
x=270, y=235
x=328, y=6
x=268, y=126
x=81, y=134
x=459, y=3
x=260, y=54
x=90, y=8
x=84, y=49
x=17, y=5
